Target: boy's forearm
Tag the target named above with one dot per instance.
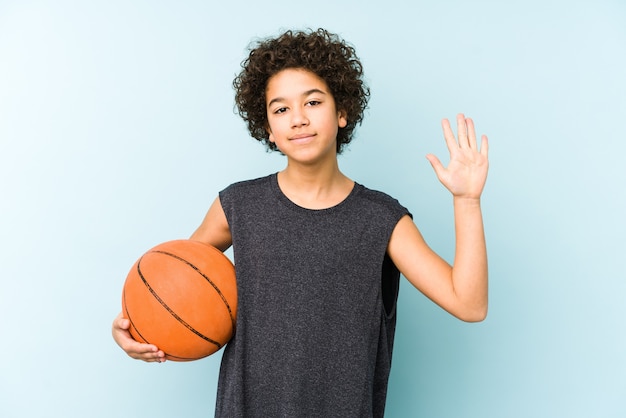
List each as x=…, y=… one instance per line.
x=469, y=273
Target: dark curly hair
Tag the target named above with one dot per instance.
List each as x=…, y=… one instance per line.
x=322, y=53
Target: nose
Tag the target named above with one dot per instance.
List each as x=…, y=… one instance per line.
x=299, y=118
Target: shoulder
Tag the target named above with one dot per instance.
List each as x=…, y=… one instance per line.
x=248, y=196
x=247, y=189
x=378, y=198
x=375, y=195
x=377, y=208
x=248, y=184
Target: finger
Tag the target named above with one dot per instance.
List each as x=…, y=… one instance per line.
x=160, y=357
x=119, y=330
x=122, y=323
x=471, y=133
x=484, y=145
x=449, y=135
x=155, y=357
x=146, y=352
x=436, y=164
x=461, y=127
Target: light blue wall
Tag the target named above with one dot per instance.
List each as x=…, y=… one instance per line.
x=117, y=130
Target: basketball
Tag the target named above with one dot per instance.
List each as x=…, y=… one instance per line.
x=182, y=297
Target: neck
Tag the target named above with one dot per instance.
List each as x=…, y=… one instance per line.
x=315, y=187
x=312, y=176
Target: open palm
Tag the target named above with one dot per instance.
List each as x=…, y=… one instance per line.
x=466, y=173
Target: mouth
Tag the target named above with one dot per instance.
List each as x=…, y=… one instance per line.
x=301, y=137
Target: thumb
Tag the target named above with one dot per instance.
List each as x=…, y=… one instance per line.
x=436, y=164
x=121, y=322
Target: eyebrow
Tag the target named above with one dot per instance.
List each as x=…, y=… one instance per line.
x=304, y=94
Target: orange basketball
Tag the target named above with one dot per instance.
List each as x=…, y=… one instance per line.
x=182, y=297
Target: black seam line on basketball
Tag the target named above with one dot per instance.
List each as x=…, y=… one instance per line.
x=178, y=318
x=177, y=358
x=217, y=289
x=145, y=340
x=131, y=320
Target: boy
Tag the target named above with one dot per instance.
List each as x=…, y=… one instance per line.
x=318, y=255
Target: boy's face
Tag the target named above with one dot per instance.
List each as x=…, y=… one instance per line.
x=302, y=117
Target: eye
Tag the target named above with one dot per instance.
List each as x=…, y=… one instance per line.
x=280, y=110
x=313, y=102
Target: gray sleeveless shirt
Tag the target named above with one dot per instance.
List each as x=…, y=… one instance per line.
x=316, y=309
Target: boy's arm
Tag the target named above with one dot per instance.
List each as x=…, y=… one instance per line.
x=460, y=289
x=214, y=229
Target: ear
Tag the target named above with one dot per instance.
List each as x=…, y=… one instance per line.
x=269, y=132
x=342, y=118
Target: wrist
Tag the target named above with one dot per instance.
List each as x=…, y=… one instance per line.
x=466, y=201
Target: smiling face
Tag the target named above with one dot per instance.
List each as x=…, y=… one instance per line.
x=302, y=117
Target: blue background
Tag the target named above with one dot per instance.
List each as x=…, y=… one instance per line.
x=117, y=130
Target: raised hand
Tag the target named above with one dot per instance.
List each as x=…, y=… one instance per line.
x=466, y=173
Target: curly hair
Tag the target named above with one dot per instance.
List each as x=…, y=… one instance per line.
x=321, y=52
